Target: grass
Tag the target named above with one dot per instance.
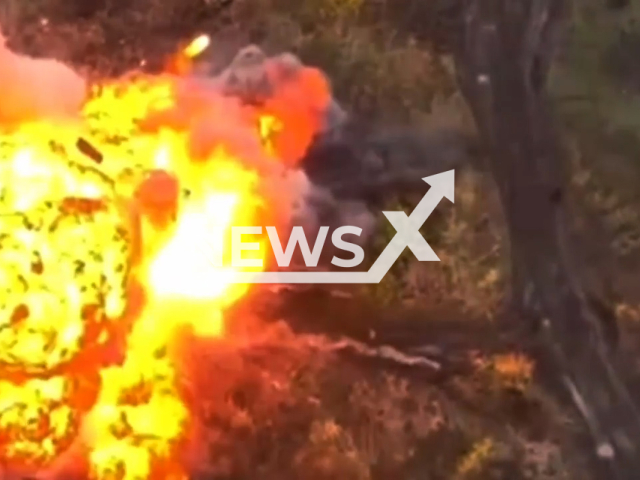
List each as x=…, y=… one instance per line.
x=323, y=418
x=471, y=246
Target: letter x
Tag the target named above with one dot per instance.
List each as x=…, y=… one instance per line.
x=408, y=233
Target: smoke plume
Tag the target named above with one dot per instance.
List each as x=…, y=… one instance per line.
x=34, y=88
x=345, y=177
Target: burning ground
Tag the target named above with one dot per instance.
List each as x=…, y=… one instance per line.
x=124, y=354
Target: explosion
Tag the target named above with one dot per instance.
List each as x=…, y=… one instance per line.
x=107, y=208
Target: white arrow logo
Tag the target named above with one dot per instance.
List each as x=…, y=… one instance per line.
x=407, y=236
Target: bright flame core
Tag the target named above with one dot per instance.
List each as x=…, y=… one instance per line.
x=197, y=46
x=101, y=262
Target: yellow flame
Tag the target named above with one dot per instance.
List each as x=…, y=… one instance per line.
x=269, y=126
x=66, y=270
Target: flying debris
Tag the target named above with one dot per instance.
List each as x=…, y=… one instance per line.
x=197, y=46
x=89, y=150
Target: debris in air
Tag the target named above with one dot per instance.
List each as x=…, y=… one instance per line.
x=89, y=150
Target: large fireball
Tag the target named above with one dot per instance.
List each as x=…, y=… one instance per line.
x=111, y=214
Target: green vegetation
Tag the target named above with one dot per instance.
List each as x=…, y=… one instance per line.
x=596, y=85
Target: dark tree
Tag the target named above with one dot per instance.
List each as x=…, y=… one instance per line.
x=503, y=59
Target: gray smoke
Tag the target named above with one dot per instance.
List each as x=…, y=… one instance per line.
x=350, y=174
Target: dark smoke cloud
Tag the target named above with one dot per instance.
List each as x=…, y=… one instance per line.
x=358, y=176
x=350, y=174
x=385, y=162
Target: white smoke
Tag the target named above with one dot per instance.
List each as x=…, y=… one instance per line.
x=34, y=88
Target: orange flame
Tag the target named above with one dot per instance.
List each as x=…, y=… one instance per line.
x=105, y=261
